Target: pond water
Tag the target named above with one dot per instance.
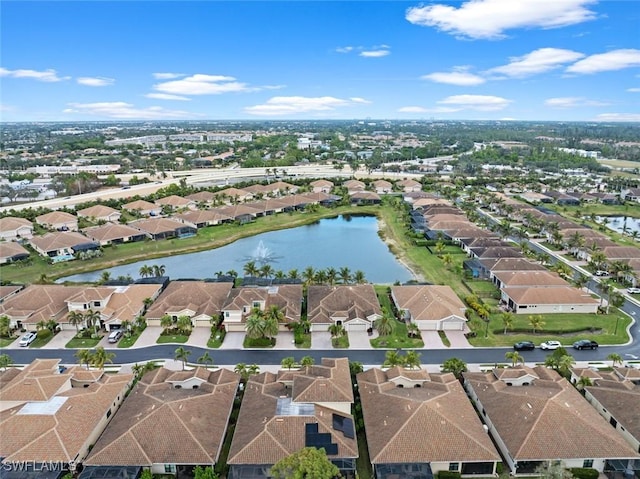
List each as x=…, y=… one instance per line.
x=621, y=224
x=345, y=241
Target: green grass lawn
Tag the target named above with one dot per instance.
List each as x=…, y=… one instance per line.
x=399, y=335
x=4, y=342
x=266, y=343
x=216, y=339
x=482, y=287
x=340, y=343
x=306, y=343
x=82, y=343
x=41, y=341
x=172, y=338
x=127, y=342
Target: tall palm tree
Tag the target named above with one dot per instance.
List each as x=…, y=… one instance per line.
x=345, y=275
x=182, y=355
x=166, y=322
x=359, y=277
x=266, y=271
x=145, y=271
x=241, y=369
x=84, y=356
x=293, y=274
x=515, y=357
x=332, y=276
x=320, y=277
x=250, y=269
x=308, y=275
x=384, y=325
x=184, y=324
x=536, y=322
x=92, y=318
x=76, y=318
x=393, y=358
x=206, y=359
x=255, y=324
x=100, y=356
x=412, y=359
x=158, y=270
x=507, y=321
x=615, y=358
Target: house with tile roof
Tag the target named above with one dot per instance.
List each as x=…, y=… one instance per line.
x=202, y=218
x=11, y=252
x=409, y=185
x=62, y=244
x=233, y=195
x=528, y=279
x=199, y=300
x=382, y=187
x=58, y=220
x=241, y=301
x=163, y=228
x=112, y=233
x=561, y=299
x=169, y=423
x=354, y=185
x=399, y=406
x=49, y=415
x=241, y=213
x=206, y=197
x=285, y=412
x=175, y=203
x=100, y=213
x=430, y=307
x=543, y=419
x=364, y=198
x=355, y=307
x=13, y=228
x=143, y=208
x=321, y=186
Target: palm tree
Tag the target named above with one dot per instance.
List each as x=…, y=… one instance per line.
x=101, y=356
x=307, y=361
x=293, y=274
x=507, y=321
x=454, y=365
x=413, y=330
x=288, y=362
x=331, y=275
x=184, y=324
x=145, y=271
x=515, y=357
x=5, y=361
x=181, y=354
x=250, y=269
x=270, y=326
x=253, y=369
x=536, y=322
x=345, y=275
x=266, y=271
x=76, y=318
x=255, y=324
x=393, y=358
x=447, y=260
x=158, y=270
x=320, y=277
x=308, y=275
x=607, y=287
x=84, y=356
x=104, y=277
x=166, y=322
x=359, y=277
x=147, y=302
x=206, y=359
x=40, y=325
x=615, y=358
x=241, y=369
x=93, y=319
x=384, y=325
x=337, y=330
x=580, y=281
x=412, y=359
x=583, y=382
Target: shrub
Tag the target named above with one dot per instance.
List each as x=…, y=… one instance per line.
x=448, y=475
x=44, y=333
x=584, y=473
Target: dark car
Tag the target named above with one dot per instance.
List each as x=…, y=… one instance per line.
x=524, y=346
x=585, y=344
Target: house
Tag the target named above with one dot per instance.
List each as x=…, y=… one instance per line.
x=169, y=423
x=382, y=187
x=528, y=411
x=58, y=220
x=199, y=300
x=37, y=303
x=323, y=199
x=278, y=188
x=528, y=279
x=175, y=203
x=10, y=252
x=630, y=194
x=409, y=185
x=364, y=198
x=400, y=405
x=241, y=301
x=321, y=186
x=112, y=233
x=202, y=218
x=13, y=228
x=233, y=195
x=492, y=266
x=241, y=213
x=62, y=245
x=285, y=412
x=54, y=416
x=353, y=186
x=430, y=307
x=143, y=208
x=9, y=290
x=100, y=213
x=355, y=307
x=494, y=252
x=204, y=197
x=549, y=300
x=162, y=228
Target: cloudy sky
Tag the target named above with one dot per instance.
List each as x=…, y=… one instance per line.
x=477, y=59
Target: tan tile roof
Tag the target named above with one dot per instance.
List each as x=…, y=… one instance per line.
x=263, y=437
x=530, y=278
x=329, y=381
x=621, y=399
x=548, y=419
x=158, y=423
x=127, y=303
x=234, y=193
x=174, y=201
x=428, y=303
x=560, y=295
x=111, y=231
x=197, y=296
x=141, y=205
x=470, y=231
x=356, y=301
x=201, y=196
x=235, y=211
x=438, y=413
x=38, y=381
x=63, y=433
x=288, y=297
x=98, y=211
x=156, y=226
x=364, y=195
x=203, y=216
x=55, y=217
x=9, y=290
x=621, y=252
x=39, y=302
x=8, y=249
x=90, y=293
x=58, y=239
x=511, y=264
x=11, y=223
x=321, y=184
x=354, y=185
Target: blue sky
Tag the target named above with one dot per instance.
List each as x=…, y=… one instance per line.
x=482, y=59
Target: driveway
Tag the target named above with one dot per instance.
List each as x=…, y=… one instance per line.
x=432, y=340
x=458, y=339
x=359, y=340
x=321, y=340
x=60, y=340
x=199, y=337
x=233, y=340
x=148, y=337
x=284, y=340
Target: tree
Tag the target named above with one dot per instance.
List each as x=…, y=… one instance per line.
x=288, y=362
x=200, y=472
x=384, y=325
x=560, y=360
x=536, y=322
x=182, y=355
x=615, y=358
x=158, y=270
x=241, y=369
x=456, y=366
x=145, y=271
x=76, y=318
x=393, y=358
x=255, y=324
x=272, y=319
x=307, y=361
x=100, y=357
x=309, y=462
x=359, y=277
x=583, y=382
x=308, y=275
x=515, y=357
x=337, y=330
x=412, y=359
x=184, y=324
x=166, y=322
x=93, y=319
x=507, y=320
x=84, y=356
x=345, y=275
x=205, y=359
x=552, y=470
x=355, y=367
x=5, y=326
x=5, y=361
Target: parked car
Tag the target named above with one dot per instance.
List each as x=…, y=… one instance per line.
x=601, y=273
x=633, y=290
x=585, y=344
x=114, y=336
x=550, y=345
x=27, y=339
x=524, y=346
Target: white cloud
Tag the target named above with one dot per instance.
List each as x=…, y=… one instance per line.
x=167, y=76
x=489, y=19
x=126, y=111
x=618, y=117
x=374, y=53
x=200, y=84
x=476, y=102
x=602, y=62
x=292, y=105
x=360, y=100
x=167, y=96
x=535, y=62
x=45, y=75
x=457, y=77
x=412, y=109
x=572, y=102
x=95, y=81
x=633, y=90
x=344, y=49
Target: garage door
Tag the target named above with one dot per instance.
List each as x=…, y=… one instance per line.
x=356, y=327
x=452, y=326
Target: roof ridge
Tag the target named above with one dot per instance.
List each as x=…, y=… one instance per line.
x=533, y=426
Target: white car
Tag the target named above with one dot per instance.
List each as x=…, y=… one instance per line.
x=633, y=290
x=551, y=345
x=27, y=339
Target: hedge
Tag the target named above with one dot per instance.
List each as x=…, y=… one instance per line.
x=548, y=331
x=448, y=475
x=584, y=473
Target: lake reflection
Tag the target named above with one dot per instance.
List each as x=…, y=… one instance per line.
x=349, y=241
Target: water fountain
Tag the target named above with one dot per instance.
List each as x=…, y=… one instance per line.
x=262, y=255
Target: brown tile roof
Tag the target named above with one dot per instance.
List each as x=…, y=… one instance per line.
x=174, y=201
x=90, y=293
x=621, y=399
x=9, y=290
x=548, y=419
x=438, y=413
x=158, y=423
x=111, y=232
x=353, y=301
x=127, y=303
x=621, y=252
x=235, y=211
x=560, y=295
x=201, y=196
x=39, y=302
x=288, y=297
x=321, y=184
x=140, y=205
x=234, y=193
x=329, y=381
x=55, y=217
x=364, y=195
x=58, y=240
x=511, y=264
x=428, y=303
x=530, y=278
x=9, y=249
x=203, y=216
x=11, y=223
x=98, y=211
x=156, y=226
x=264, y=437
x=38, y=381
x=198, y=296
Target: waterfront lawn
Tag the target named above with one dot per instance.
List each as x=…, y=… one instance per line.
x=601, y=328
x=82, y=343
x=172, y=338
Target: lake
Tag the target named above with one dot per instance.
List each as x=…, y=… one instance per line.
x=620, y=223
x=345, y=241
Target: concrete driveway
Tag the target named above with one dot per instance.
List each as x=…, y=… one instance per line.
x=233, y=340
x=199, y=337
x=359, y=340
x=60, y=340
x=458, y=339
x=321, y=340
x=284, y=340
x=148, y=337
x=432, y=340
